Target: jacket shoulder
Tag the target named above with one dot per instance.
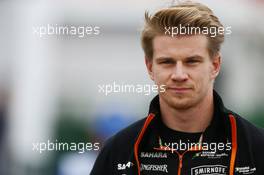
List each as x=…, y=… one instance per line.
x=117, y=149
x=251, y=142
x=252, y=131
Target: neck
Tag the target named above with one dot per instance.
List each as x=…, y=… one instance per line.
x=193, y=119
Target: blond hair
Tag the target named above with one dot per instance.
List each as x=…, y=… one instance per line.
x=188, y=14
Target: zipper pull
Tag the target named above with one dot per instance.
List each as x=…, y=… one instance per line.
x=180, y=165
x=180, y=159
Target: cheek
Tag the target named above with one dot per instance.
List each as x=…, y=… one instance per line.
x=159, y=78
x=161, y=75
x=201, y=77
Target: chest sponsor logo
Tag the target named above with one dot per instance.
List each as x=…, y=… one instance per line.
x=209, y=169
x=123, y=166
x=210, y=155
x=245, y=170
x=152, y=167
x=153, y=155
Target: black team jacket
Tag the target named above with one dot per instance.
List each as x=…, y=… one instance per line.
x=234, y=147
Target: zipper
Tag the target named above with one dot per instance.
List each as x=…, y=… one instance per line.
x=180, y=156
x=180, y=164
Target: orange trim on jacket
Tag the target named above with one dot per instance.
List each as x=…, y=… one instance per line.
x=234, y=144
x=147, y=122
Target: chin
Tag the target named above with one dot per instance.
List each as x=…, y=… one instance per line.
x=179, y=102
x=181, y=105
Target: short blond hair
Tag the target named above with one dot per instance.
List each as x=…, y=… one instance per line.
x=189, y=14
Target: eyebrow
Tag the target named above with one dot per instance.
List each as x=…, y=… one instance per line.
x=170, y=58
x=164, y=58
x=195, y=57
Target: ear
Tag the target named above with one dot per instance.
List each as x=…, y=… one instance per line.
x=216, y=65
x=149, y=64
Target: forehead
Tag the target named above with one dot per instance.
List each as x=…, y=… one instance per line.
x=180, y=46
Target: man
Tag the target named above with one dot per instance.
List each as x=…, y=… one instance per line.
x=188, y=130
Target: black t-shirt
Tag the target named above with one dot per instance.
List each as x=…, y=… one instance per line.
x=182, y=140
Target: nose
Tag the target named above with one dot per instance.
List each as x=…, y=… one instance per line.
x=179, y=73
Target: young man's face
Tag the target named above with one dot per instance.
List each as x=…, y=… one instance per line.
x=183, y=64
